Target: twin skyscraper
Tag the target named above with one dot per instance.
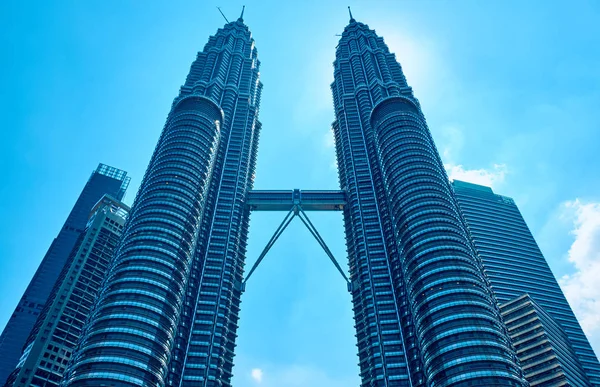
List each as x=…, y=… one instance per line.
x=440, y=272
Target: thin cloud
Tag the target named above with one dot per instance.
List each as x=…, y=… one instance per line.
x=257, y=375
x=451, y=145
x=328, y=139
x=301, y=375
x=582, y=288
x=451, y=139
x=490, y=178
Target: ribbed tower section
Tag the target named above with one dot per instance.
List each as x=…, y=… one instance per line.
x=133, y=328
x=168, y=312
x=227, y=71
x=424, y=313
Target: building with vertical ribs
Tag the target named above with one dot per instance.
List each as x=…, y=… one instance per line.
x=104, y=180
x=424, y=311
x=58, y=328
x=168, y=313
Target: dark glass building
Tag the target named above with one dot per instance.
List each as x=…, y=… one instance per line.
x=104, y=180
x=58, y=328
x=515, y=265
x=168, y=313
x=424, y=312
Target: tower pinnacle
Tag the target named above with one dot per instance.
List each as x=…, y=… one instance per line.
x=350, y=12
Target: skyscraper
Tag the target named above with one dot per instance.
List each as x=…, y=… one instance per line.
x=104, y=180
x=515, y=265
x=168, y=313
x=424, y=312
x=55, y=334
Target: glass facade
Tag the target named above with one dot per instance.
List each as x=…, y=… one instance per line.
x=104, y=180
x=168, y=312
x=511, y=258
x=58, y=328
x=424, y=312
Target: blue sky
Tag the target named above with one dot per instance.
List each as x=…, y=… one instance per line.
x=510, y=89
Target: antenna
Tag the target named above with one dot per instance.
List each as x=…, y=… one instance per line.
x=350, y=12
x=222, y=14
x=242, y=15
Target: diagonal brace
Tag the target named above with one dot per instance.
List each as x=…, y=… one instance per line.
x=282, y=226
x=313, y=230
x=296, y=211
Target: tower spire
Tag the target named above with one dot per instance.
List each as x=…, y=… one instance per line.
x=350, y=12
x=222, y=14
x=241, y=18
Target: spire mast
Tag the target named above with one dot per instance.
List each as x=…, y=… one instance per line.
x=242, y=15
x=222, y=14
x=350, y=12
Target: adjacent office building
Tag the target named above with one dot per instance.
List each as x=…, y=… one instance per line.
x=515, y=265
x=104, y=180
x=59, y=326
x=544, y=350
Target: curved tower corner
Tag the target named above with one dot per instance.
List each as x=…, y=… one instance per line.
x=133, y=327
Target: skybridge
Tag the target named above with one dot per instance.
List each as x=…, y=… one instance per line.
x=296, y=202
x=285, y=200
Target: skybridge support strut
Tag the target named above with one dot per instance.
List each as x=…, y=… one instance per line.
x=313, y=230
x=282, y=226
x=299, y=212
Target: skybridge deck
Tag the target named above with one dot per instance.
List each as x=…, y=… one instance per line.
x=285, y=200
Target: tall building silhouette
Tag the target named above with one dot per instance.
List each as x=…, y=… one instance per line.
x=58, y=328
x=424, y=312
x=104, y=180
x=515, y=265
x=169, y=311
